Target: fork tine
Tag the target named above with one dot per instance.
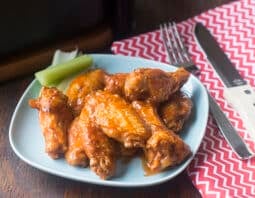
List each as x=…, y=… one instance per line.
x=164, y=39
x=176, y=51
x=177, y=48
x=180, y=42
x=170, y=43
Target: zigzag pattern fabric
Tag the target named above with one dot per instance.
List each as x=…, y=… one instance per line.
x=215, y=170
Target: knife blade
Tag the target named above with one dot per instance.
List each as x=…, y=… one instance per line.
x=238, y=93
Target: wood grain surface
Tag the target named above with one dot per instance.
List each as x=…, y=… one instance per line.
x=17, y=179
x=32, y=61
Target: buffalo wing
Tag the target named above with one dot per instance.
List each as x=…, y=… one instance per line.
x=99, y=148
x=75, y=154
x=176, y=111
x=55, y=116
x=154, y=85
x=83, y=85
x=164, y=148
x=116, y=118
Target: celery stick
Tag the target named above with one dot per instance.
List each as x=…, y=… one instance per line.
x=54, y=75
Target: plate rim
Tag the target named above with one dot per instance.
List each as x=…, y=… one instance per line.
x=108, y=182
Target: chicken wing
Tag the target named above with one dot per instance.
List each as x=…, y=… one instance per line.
x=114, y=83
x=55, y=117
x=75, y=154
x=99, y=148
x=176, y=111
x=83, y=85
x=180, y=77
x=116, y=118
x=164, y=148
x=154, y=85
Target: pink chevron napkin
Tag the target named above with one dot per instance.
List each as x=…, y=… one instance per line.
x=215, y=171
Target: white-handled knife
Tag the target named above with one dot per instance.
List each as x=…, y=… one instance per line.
x=237, y=91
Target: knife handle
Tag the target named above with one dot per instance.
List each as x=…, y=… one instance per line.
x=228, y=131
x=242, y=99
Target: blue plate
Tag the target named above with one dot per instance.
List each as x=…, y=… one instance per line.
x=27, y=141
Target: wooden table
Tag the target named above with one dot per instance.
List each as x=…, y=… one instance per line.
x=17, y=179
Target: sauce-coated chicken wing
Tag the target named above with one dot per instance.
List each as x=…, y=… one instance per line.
x=114, y=83
x=99, y=148
x=164, y=148
x=75, y=154
x=116, y=118
x=176, y=111
x=83, y=85
x=154, y=85
x=180, y=77
x=55, y=116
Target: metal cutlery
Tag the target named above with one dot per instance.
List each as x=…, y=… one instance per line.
x=237, y=92
x=178, y=56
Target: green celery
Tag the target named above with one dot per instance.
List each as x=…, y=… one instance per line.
x=51, y=76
